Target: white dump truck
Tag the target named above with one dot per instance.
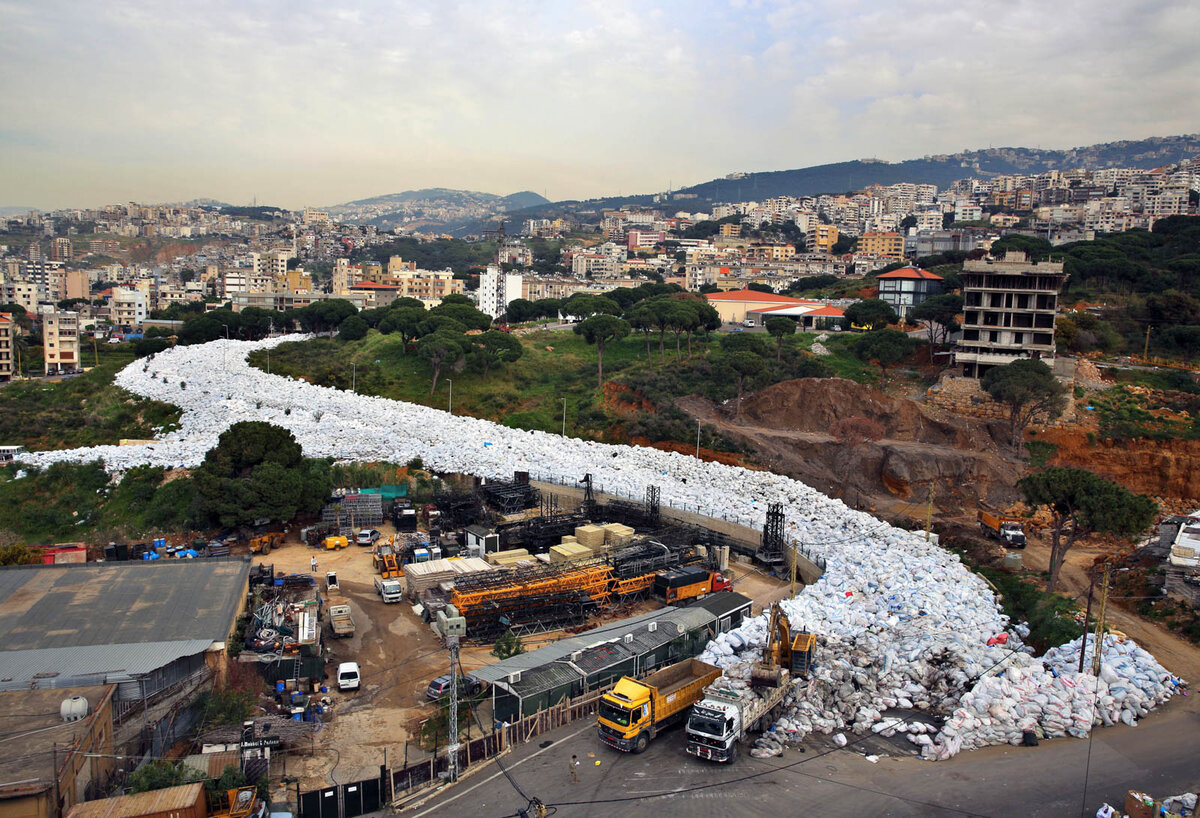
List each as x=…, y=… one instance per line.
x=726, y=715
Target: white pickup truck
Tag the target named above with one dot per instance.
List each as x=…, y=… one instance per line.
x=389, y=590
x=724, y=717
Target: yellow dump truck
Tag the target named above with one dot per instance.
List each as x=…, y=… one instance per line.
x=635, y=710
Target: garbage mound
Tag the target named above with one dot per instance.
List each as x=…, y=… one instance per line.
x=900, y=622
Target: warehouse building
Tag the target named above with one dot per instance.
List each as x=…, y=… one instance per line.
x=533, y=681
x=156, y=630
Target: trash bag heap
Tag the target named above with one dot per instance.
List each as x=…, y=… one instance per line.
x=901, y=624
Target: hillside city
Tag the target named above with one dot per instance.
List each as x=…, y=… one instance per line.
x=446, y=503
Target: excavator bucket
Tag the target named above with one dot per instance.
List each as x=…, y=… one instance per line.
x=764, y=675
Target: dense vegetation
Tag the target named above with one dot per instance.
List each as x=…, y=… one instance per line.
x=87, y=410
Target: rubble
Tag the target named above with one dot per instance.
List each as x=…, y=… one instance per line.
x=901, y=624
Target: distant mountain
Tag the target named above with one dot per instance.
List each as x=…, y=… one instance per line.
x=14, y=210
x=943, y=169
x=434, y=210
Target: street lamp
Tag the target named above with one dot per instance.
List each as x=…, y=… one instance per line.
x=697, y=439
x=564, y=431
x=450, y=408
x=353, y=376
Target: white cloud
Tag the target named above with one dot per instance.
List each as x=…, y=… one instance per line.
x=314, y=104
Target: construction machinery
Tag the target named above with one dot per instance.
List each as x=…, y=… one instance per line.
x=263, y=543
x=387, y=561
x=785, y=652
x=634, y=711
x=335, y=543
x=682, y=586
x=725, y=716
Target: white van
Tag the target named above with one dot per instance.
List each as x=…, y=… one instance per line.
x=348, y=678
x=749, y=322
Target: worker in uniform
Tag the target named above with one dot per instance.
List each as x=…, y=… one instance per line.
x=574, y=769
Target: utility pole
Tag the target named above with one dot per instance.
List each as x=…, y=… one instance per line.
x=354, y=376
x=795, y=557
x=452, y=725
x=450, y=408
x=1146, y=348
x=564, y=425
x=697, y=440
x=1087, y=620
x=929, y=515
x=1098, y=641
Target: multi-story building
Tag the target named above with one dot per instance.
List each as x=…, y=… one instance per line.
x=883, y=245
x=60, y=249
x=822, y=237
x=272, y=264
x=128, y=307
x=60, y=334
x=1009, y=308
x=497, y=289
x=770, y=252
x=8, y=336
x=967, y=212
x=907, y=287
x=515, y=253
x=430, y=286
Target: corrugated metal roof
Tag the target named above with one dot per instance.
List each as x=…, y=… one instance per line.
x=119, y=603
x=603, y=656
x=155, y=802
x=545, y=678
x=59, y=667
x=638, y=626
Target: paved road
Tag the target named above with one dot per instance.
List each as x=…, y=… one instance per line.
x=1158, y=756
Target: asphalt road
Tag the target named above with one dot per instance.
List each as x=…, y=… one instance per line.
x=1158, y=756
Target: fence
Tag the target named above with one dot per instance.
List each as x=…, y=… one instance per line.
x=418, y=775
x=344, y=800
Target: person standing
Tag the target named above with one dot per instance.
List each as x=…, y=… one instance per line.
x=574, y=769
x=313, y=562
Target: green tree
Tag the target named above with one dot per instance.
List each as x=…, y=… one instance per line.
x=440, y=348
x=520, y=310
x=884, y=348
x=352, y=328
x=600, y=330
x=1082, y=503
x=940, y=314
x=871, y=313
x=779, y=328
x=508, y=645
x=495, y=348
x=743, y=364
x=1028, y=388
x=160, y=774
x=405, y=321
x=257, y=471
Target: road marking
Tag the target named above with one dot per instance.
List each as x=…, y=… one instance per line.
x=510, y=768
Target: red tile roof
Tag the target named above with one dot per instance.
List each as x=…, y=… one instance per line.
x=753, y=295
x=371, y=285
x=911, y=272
x=827, y=312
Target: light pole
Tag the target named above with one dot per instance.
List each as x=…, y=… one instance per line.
x=225, y=351
x=697, y=439
x=268, y=360
x=564, y=431
x=450, y=408
x=353, y=376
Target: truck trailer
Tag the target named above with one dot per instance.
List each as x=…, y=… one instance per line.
x=635, y=710
x=724, y=717
x=1007, y=531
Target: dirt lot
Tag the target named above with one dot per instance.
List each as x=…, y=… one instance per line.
x=398, y=655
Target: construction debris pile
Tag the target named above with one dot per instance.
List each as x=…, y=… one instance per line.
x=903, y=624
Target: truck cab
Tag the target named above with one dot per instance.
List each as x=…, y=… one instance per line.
x=713, y=730
x=1013, y=534
x=389, y=590
x=625, y=716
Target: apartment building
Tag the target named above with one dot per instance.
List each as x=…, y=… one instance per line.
x=822, y=238
x=430, y=286
x=60, y=334
x=770, y=252
x=245, y=279
x=128, y=307
x=1009, y=309
x=269, y=265
x=515, y=253
x=497, y=289
x=8, y=335
x=882, y=245
x=61, y=250
x=536, y=289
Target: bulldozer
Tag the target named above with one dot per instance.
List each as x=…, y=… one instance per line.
x=784, y=649
x=263, y=543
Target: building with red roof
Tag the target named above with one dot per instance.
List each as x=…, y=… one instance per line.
x=909, y=286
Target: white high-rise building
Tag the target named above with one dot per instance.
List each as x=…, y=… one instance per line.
x=498, y=289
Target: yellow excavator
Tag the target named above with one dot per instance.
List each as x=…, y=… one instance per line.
x=784, y=649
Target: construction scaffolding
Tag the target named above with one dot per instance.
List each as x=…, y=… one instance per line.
x=771, y=552
x=509, y=498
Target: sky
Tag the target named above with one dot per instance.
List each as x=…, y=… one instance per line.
x=314, y=103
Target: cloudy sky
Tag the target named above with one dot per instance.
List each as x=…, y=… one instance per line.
x=304, y=103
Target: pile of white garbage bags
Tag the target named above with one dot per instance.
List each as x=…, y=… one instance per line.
x=901, y=623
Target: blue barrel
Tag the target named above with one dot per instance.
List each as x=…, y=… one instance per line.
x=280, y=687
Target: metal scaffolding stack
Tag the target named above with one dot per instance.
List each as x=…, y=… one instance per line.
x=510, y=498
x=771, y=551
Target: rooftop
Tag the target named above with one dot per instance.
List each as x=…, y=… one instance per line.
x=753, y=295
x=911, y=272
x=33, y=729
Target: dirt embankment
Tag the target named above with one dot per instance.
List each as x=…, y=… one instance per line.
x=1169, y=469
x=788, y=425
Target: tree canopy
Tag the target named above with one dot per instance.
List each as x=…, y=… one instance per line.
x=599, y=330
x=871, y=313
x=1028, y=388
x=941, y=314
x=257, y=471
x=883, y=347
x=1080, y=503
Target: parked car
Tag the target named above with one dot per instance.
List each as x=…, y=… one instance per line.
x=367, y=536
x=467, y=684
x=348, y=677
